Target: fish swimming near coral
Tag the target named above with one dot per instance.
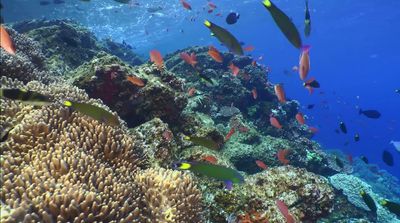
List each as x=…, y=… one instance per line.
x=210, y=159
x=234, y=69
x=189, y=58
x=156, y=58
x=214, y=53
x=6, y=42
x=254, y=93
x=226, y=174
x=387, y=158
x=203, y=141
x=94, y=112
x=391, y=206
x=369, y=201
x=26, y=97
x=284, y=23
x=274, y=122
x=304, y=62
x=261, y=164
x=230, y=133
x=374, y=114
x=225, y=38
x=284, y=211
x=135, y=81
x=280, y=93
x=282, y=156
x=300, y=118
x=232, y=18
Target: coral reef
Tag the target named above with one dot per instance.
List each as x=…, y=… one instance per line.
x=351, y=187
x=60, y=165
x=104, y=77
x=28, y=63
x=66, y=44
x=308, y=196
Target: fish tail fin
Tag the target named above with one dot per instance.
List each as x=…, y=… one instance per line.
x=68, y=103
x=305, y=48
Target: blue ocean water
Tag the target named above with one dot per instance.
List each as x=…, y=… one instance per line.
x=354, y=54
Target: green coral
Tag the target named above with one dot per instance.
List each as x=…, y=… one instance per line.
x=313, y=156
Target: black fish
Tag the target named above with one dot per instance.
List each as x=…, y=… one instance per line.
x=363, y=158
x=284, y=23
x=369, y=201
x=397, y=90
x=339, y=162
x=370, y=113
x=391, y=206
x=356, y=137
x=307, y=22
x=342, y=127
x=310, y=106
x=313, y=84
x=44, y=3
x=232, y=18
x=387, y=158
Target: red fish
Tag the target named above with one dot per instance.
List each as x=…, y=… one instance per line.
x=304, y=63
x=235, y=70
x=155, y=57
x=190, y=59
x=212, y=5
x=6, y=42
x=249, y=48
x=282, y=156
x=280, y=93
x=191, y=91
x=261, y=164
x=214, y=53
x=230, y=133
x=313, y=129
x=300, y=118
x=254, y=93
x=211, y=159
x=135, y=81
x=274, y=122
x=254, y=63
x=285, y=211
x=186, y=5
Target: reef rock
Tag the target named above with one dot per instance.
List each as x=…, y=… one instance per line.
x=105, y=77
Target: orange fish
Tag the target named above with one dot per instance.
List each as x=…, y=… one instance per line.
x=304, y=63
x=254, y=92
x=211, y=159
x=190, y=59
x=261, y=164
x=6, y=42
x=186, y=5
x=280, y=93
x=191, y=91
x=235, y=70
x=155, y=57
x=214, y=53
x=285, y=211
x=282, y=156
x=230, y=133
x=249, y=48
x=254, y=63
x=300, y=118
x=274, y=122
x=135, y=81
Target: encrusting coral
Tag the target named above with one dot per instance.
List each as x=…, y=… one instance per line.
x=60, y=165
